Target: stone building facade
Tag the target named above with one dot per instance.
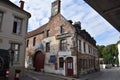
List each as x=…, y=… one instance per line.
x=61, y=47
x=13, y=29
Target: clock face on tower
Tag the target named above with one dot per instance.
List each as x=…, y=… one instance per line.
x=55, y=10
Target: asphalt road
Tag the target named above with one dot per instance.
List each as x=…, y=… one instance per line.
x=39, y=76
x=104, y=74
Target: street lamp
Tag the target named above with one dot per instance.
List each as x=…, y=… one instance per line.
x=11, y=54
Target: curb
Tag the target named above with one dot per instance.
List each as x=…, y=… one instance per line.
x=54, y=75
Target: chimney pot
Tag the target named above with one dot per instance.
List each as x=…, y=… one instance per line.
x=21, y=4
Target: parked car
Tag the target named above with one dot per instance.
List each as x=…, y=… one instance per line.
x=108, y=66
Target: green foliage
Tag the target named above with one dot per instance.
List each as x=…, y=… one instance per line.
x=100, y=48
x=109, y=53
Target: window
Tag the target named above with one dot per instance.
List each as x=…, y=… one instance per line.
x=16, y=49
x=61, y=62
x=79, y=45
x=34, y=41
x=48, y=33
x=89, y=49
x=52, y=59
x=27, y=43
x=62, y=29
x=48, y=47
x=63, y=45
x=83, y=63
x=84, y=47
x=1, y=16
x=17, y=25
x=80, y=63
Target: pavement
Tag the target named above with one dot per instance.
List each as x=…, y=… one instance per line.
x=47, y=74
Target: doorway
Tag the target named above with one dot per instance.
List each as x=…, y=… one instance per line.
x=38, y=61
x=69, y=66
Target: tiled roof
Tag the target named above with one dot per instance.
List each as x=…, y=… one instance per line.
x=36, y=31
x=84, y=34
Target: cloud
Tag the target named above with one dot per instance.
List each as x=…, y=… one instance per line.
x=40, y=11
x=76, y=10
x=108, y=37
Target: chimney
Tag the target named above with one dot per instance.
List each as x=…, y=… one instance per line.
x=77, y=24
x=55, y=9
x=70, y=21
x=21, y=4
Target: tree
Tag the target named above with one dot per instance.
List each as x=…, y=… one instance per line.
x=100, y=49
x=109, y=53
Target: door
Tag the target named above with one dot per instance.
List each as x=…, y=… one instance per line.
x=39, y=61
x=69, y=65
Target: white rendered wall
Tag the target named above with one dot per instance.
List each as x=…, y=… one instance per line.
x=119, y=53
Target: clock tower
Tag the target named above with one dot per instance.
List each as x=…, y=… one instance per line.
x=55, y=8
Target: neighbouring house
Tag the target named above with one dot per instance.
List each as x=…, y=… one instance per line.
x=13, y=29
x=61, y=47
x=118, y=52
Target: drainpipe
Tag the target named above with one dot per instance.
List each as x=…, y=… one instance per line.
x=77, y=55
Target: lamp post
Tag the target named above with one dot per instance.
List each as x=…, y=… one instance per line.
x=11, y=54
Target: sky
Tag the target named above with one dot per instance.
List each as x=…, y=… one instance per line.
x=75, y=10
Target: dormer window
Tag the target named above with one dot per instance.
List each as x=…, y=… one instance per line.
x=62, y=30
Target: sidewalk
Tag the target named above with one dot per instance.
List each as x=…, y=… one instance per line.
x=49, y=74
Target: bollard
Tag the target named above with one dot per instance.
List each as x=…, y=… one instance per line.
x=17, y=75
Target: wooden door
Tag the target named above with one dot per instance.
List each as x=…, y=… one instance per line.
x=39, y=61
x=69, y=65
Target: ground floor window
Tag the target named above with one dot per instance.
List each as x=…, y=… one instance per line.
x=61, y=62
x=52, y=59
x=16, y=49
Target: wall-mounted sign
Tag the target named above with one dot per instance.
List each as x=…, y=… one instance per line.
x=63, y=35
x=66, y=53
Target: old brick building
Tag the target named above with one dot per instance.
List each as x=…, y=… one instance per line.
x=61, y=47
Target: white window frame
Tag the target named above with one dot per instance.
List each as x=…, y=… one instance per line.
x=17, y=25
x=79, y=46
x=16, y=49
